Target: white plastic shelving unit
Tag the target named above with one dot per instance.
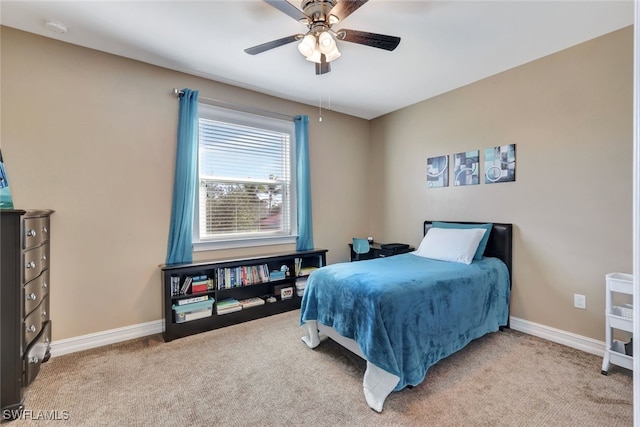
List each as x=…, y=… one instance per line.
x=618, y=317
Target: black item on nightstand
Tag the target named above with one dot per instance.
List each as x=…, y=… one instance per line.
x=394, y=248
x=378, y=250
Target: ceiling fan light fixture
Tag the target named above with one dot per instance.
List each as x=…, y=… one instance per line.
x=327, y=45
x=319, y=44
x=307, y=45
x=326, y=42
x=332, y=54
x=315, y=55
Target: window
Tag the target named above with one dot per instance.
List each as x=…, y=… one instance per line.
x=246, y=193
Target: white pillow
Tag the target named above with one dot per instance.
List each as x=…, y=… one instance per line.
x=451, y=244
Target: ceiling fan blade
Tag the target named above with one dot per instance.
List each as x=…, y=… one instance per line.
x=272, y=44
x=380, y=41
x=286, y=7
x=323, y=67
x=345, y=8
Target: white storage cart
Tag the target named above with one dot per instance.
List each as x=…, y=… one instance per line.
x=618, y=317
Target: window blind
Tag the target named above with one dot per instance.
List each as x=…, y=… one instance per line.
x=245, y=177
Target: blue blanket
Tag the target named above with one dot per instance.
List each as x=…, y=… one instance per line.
x=408, y=312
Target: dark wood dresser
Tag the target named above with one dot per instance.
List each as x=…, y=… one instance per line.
x=25, y=324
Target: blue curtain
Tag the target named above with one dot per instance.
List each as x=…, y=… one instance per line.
x=303, y=184
x=185, y=181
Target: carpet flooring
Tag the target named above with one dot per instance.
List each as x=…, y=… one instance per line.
x=260, y=373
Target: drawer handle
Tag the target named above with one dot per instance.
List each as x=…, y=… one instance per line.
x=45, y=285
x=31, y=233
x=31, y=264
x=31, y=328
x=44, y=258
x=44, y=230
x=44, y=313
x=34, y=360
x=32, y=297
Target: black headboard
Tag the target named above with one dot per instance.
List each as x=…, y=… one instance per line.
x=499, y=244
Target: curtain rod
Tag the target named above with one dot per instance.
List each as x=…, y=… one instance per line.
x=244, y=108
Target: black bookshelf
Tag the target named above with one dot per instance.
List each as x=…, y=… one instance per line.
x=296, y=265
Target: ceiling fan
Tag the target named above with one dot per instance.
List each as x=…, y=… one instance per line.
x=318, y=44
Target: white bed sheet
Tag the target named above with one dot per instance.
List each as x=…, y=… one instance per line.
x=377, y=383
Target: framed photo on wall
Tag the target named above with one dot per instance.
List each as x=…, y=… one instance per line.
x=500, y=164
x=466, y=168
x=438, y=171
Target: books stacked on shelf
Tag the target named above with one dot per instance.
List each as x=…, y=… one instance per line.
x=301, y=283
x=228, y=305
x=305, y=271
x=234, y=277
x=251, y=302
x=199, y=284
x=195, y=284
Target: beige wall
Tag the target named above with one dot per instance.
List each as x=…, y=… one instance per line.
x=570, y=116
x=93, y=136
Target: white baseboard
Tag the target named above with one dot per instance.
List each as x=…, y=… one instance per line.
x=569, y=339
x=99, y=339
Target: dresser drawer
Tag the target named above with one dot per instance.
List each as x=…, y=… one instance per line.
x=35, y=261
x=35, y=291
x=37, y=353
x=36, y=231
x=34, y=321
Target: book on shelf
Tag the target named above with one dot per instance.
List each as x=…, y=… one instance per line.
x=228, y=305
x=185, y=285
x=193, y=299
x=277, y=275
x=251, y=302
x=228, y=302
x=305, y=271
x=228, y=310
x=198, y=287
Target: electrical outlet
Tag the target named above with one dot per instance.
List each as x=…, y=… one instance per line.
x=579, y=301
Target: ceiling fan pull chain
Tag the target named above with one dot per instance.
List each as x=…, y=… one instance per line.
x=320, y=110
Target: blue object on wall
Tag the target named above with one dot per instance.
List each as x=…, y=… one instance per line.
x=303, y=184
x=185, y=181
x=6, y=201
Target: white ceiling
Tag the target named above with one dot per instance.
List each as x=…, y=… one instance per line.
x=445, y=44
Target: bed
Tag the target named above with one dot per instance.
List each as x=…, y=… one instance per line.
x=403, y=314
